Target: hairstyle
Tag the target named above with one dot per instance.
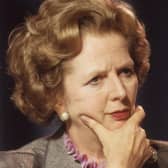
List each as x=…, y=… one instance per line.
x=38, y=49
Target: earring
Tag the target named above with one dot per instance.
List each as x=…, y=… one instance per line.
x=64, y=116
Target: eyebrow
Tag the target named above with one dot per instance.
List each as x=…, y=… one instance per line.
x=96, y=70
x=127, y=64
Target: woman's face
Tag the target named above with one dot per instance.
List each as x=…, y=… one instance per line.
x=101, y=82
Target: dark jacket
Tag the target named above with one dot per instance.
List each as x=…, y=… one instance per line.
x=49, y=152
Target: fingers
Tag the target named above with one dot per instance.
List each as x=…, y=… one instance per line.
x=137, y=117
x=140, y=141
x=140, y=138
x=142, y=151
x=147, y=153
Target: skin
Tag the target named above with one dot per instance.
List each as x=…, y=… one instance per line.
x=97, y=82
x=126, y=147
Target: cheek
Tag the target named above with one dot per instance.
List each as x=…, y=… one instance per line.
x=95, y=101
x=132, y=88
x=86, y=102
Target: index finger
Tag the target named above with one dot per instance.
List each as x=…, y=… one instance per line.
x=137, y=117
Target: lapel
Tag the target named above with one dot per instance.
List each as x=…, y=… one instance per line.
x=162, y=154
x=57, y=157
x=162, y=150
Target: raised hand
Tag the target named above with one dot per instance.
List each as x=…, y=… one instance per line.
x=125, y=147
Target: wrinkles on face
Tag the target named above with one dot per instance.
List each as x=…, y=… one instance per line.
x=102, y=80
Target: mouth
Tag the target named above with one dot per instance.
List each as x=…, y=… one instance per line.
x=120, y=115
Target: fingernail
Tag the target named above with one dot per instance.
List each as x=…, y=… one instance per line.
x=140, y=107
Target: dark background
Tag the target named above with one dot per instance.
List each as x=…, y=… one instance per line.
x=16, y=130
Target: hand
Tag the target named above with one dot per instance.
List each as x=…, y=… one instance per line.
x=125, y=147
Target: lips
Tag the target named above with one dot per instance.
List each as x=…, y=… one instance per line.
x=121, y=115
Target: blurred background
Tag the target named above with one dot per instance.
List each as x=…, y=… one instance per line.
x=16, y=130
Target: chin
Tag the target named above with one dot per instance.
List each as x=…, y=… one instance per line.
x=115, y=125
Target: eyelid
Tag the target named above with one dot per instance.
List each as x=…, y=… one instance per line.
x=129, y=69
x=99, y=76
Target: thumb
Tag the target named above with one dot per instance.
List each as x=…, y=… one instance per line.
x=94, y=125
x=137, y=117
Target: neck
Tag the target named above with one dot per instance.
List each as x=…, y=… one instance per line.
x=86, y=142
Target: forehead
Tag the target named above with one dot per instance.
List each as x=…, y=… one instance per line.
x=100, y=51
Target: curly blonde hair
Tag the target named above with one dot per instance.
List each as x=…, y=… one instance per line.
x=38, y=49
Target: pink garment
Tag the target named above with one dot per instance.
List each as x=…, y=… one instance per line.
x=81, y=158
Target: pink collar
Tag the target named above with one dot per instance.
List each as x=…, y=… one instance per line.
x=81, y=158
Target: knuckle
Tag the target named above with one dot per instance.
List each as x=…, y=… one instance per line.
x=141, y=109
x=143, y=133
x=148, y=143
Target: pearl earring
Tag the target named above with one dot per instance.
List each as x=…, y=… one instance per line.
x=64, y=116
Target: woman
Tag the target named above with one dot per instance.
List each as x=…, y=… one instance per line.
x=83, y=61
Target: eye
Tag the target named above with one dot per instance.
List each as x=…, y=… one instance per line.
x=128, y=72
x=95, y=80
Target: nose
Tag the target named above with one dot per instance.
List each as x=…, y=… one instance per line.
x=117, y=89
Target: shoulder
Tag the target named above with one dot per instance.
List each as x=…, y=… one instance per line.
x=57, y=156
x=161, y=148
x=162, y=152
x=25, y=157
